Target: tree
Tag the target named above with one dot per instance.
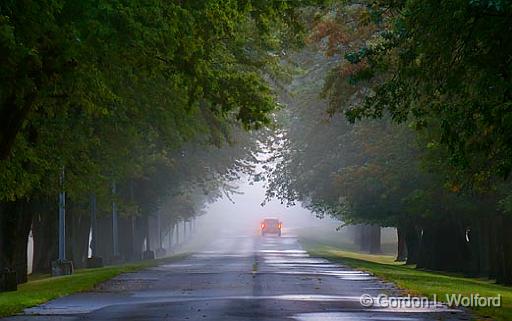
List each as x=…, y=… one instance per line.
x=109, y=90
x=427, y=65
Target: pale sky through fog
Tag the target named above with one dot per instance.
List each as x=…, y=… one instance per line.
x=246, y=212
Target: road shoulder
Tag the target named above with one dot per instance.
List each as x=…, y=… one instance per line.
x=45, y=288
x=419, y=282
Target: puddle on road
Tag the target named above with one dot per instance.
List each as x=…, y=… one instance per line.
x=171, y=296
x=220, y=255
x=315, y=297
x=86, y=305
x=177, y=265
x=306, y=266
x=340, y=316
x=67, y=310
x=274, y=260
x=283, y=251
x=337, y=274
x=298, y=262
x=284, y=255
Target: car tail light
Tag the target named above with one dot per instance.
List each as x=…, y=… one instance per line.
x=262, y=226
x=280, y=225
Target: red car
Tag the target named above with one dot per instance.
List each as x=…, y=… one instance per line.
x=271, y=226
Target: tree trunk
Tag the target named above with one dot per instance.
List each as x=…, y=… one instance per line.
x=135, y=243
x=361, y=239
x=8, y=225
x=367, y=238
x=474, y=235
x=126, y=236
x=171, y=235
x=3, y=264
x=15, y=222
x=504, y=257
x=493, y=247
x=184, y=230
x=78, y=226
x=148, y=234
x=374, y=238
x=484, y=248
x=24, y=222
x=177, y=233
x=443, y=247
x=155, y=233
x=401, y=252
x=412, y=242
x=140, y=235
x=45, y=234
x=479, y=258
x=104, y=241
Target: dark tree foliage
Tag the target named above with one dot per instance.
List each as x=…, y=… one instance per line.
x=444, y=65
x=432, y=158
x=149, y=96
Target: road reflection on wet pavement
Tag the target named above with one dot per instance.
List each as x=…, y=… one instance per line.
x=238, y=278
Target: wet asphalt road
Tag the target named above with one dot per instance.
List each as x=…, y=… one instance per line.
x=237, y=278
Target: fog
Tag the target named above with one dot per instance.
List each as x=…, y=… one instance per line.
x=243, y=212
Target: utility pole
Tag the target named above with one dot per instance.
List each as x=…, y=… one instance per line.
x=133, y=221
x=62, y=219
x=62, y=266
x=115, y=233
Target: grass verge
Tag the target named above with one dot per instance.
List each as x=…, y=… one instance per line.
x=41, y=289
x=419, y=282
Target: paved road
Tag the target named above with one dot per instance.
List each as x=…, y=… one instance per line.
x=237, y=278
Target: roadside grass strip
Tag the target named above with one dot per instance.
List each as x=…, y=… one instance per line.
x=43, y=288
x=421, y=282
